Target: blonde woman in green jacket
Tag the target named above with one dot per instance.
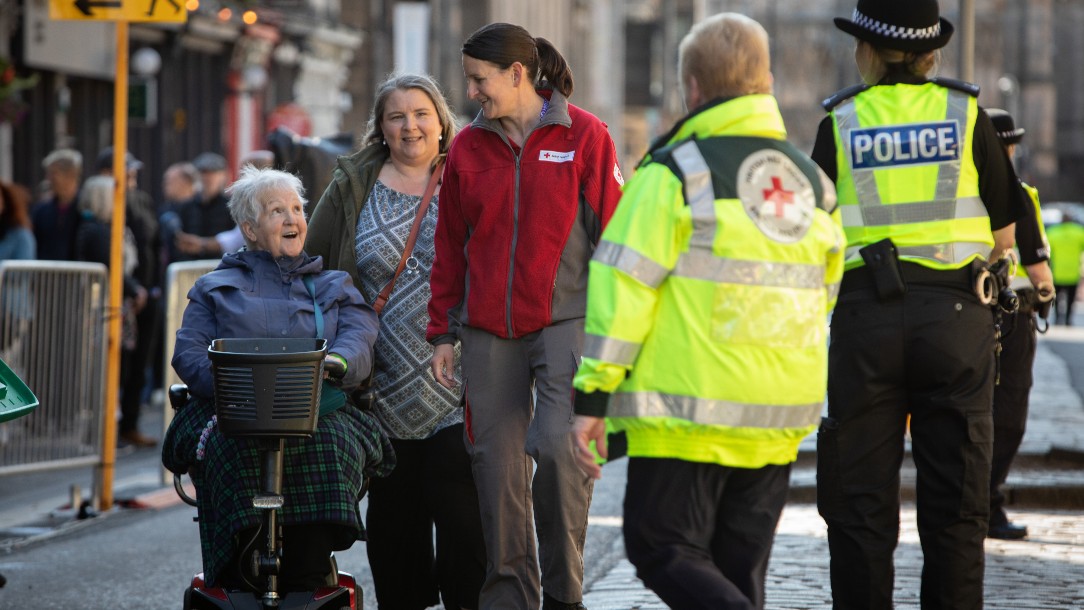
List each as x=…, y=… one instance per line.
x=360, y=226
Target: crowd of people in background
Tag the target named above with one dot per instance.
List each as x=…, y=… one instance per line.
x=67, y=218
x=494, y=367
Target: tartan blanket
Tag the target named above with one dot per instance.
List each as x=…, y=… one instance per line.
x=322, y=476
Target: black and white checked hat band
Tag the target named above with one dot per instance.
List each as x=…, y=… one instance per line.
x=895, y=31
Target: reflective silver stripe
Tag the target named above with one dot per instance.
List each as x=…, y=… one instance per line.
x=833, y=291
x=699, y=193
x=947, y=253
x=608, y=349
x=700, y=265
x=865, y=184
x=630, y=262
x=919, y=211
x=713, y=412
x=948, y=174
x=941, y=253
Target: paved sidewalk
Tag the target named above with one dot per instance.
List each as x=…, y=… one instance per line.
x=1046, y=571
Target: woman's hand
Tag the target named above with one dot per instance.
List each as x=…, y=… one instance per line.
x=443, y=365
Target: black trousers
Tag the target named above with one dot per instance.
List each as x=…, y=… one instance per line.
x=431, y=485
x=1018, y=345
x=700, y=534
x=928, y=354
x=1065, y=296
x=134, y=365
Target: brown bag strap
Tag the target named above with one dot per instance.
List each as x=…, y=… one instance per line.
x=423, y=206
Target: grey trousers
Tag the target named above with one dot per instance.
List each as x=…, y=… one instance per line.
x=519, y=408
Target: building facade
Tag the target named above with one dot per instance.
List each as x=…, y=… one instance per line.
x=312, y=65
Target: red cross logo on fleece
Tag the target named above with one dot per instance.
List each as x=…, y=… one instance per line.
x=778, y=195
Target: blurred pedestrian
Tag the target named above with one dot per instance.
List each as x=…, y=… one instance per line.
x=1034, y=286
x=911, y=336
x=16, y=243
x=140, y=219
x=711, y=354
x=528, y=188
x=93, y=244
x=1066, y=247
x=56, y=219
x=16, y=233
x=202, y=220
x=369, y=211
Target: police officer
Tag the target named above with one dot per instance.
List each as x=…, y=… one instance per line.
x=1034, y=285
x=706, y=327
x=927, y=197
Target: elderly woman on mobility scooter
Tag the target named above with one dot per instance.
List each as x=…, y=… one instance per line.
x=269, y=289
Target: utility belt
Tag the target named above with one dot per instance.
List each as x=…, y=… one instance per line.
x=888, y=276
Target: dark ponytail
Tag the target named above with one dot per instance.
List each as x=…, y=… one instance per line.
x=553, y=67
x=504, y=44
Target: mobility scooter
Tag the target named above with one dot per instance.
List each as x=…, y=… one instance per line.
x=268, y=390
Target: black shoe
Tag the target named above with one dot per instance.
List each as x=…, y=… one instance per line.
x=1008, y=531
x=549, y=603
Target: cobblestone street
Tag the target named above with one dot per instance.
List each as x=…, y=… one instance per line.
x=1044, y=572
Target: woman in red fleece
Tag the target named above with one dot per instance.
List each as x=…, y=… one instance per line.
x=528, y=187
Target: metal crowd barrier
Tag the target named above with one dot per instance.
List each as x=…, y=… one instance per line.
x=179, y=279
x=53, y=336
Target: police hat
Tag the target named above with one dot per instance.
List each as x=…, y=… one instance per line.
x=1007, y=131
x=105, y=160
x=905, y=26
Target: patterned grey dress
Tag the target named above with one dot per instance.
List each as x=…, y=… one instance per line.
x=410, y=403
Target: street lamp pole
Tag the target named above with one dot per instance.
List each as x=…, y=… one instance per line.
x=967, y=40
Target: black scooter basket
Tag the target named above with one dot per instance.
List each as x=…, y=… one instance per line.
x=267, y=387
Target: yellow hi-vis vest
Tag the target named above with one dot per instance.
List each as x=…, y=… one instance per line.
x=709, y=293
x=906, y=172
x=1021, y=280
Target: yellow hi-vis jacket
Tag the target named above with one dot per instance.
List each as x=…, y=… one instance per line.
x=1020, y=280
x=708, y=296
x=906, y=172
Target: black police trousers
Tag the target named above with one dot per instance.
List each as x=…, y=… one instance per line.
x=929, y=354
x=1018, y=344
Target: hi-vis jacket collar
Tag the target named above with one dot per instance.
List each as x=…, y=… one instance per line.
x=719, y=117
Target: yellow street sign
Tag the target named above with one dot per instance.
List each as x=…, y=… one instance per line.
x=119, y=10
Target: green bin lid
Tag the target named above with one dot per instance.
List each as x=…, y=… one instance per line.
x=16, y=400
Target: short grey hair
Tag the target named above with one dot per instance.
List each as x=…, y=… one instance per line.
x=247, y=193
x=67, y=160
x=728, y=54
x=96, y=197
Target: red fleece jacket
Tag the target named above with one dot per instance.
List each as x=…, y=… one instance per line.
x=517, y=228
